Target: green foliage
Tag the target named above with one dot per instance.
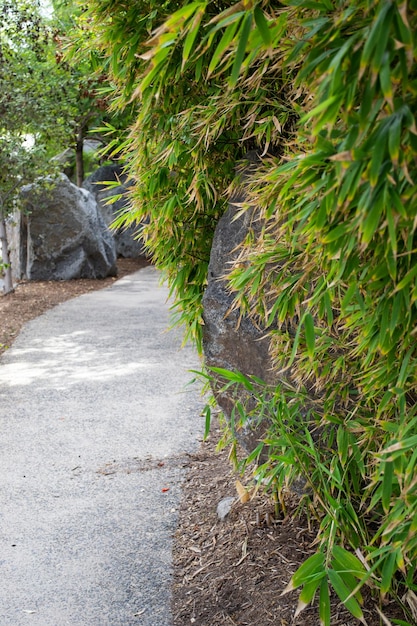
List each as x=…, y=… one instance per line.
x=29, y=99
x=167, y=57
x=366, y=530
x=85, y=82
x=326, y=92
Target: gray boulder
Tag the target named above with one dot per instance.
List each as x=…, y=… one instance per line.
x=231, y=340
x=127, y=240
x=62, y=234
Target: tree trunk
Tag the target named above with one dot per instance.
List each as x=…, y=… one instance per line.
x=79, y=157
x=7, y=268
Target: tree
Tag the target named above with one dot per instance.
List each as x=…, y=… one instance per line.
x=87, y=84
x=326, y=93
x=31, y=118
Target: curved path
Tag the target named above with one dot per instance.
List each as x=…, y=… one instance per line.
x=96, y=423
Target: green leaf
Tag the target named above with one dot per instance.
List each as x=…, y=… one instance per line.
x=388, y=569
x=191, y=36
x=397, y=202
x=182, y=15
x=378, y=155
x=222, y=46
x=375, y=34
x=323, y=106
x=155, y=72
x=391, y=232
x=241, y=49
x=372, y=220
x=348, y=297
x=324, y=603
x=308, y=592
x=380, y=52
x=328, y=307
x=336, y=233
x=402, y=446
x=310, y=334
x=385, y=81
x=235, y=377
x=295, y=345
x=343, y=593
x=262, y=25
x=407, y=279
x=387, y=485
x=207, y=414
x=347, y=565
x=255, y=454
x=342, y=444
x=310, y=568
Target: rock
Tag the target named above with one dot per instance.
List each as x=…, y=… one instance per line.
x=106, y=173
x=128, y=244
x=62, y=234
x=232, y=341
x=224, y=507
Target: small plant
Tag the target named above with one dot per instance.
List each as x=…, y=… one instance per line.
x=366, y=528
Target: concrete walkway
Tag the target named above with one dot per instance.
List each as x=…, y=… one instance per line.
x=96, y=422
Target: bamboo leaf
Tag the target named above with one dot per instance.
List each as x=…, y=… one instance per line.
x=378, y=155
x=241, y=49
x=232, y=376
x=342, y=444
x=310, y=334
x=380, y=51
x=323, y=106
x=401, y=446
x=386, y=84
x=191, y=36
x=182, y=15
x=295, y=345
x=324, y=603
x=374, y=35
x=343, y=593
x=235, y=8
x=207, y=424
x=372, y=220
x=388, y=470
x=407, y=279
x=348, y=561
x=388, y=569
x=155, y=72
x=311, y=567
x=222, y=46
x=307, y=593
x=391, y=232
x=262, y=25
x=348, y=297
x=336, y=233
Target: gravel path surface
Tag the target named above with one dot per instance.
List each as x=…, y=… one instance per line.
x=96, y=424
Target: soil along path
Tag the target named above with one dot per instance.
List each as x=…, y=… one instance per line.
x=96, y=423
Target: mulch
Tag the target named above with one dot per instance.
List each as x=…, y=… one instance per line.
x=233, y=572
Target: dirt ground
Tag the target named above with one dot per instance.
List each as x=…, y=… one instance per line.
x=229, y=572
